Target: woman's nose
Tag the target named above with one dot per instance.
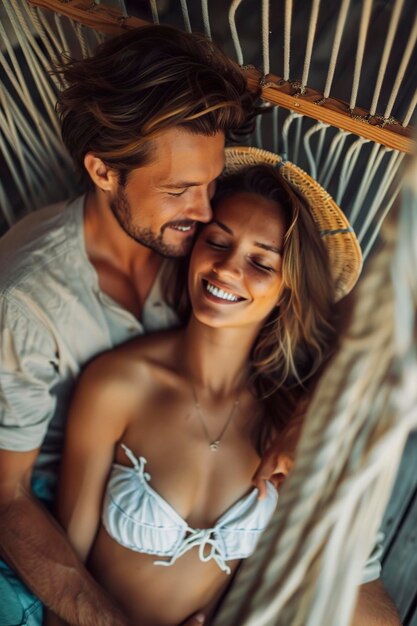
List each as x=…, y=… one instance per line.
x=229, y=264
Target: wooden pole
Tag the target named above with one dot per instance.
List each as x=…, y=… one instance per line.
x=275, y=90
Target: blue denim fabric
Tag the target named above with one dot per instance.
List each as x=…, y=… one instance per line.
x=18, y=605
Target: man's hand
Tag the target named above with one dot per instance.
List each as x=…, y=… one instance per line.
x=278, y=460
x=374, y=606
x=33, y=544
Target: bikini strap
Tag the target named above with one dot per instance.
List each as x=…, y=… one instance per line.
x=138, y=463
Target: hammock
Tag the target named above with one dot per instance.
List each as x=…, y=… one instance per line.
x=354, y=152
x=308, y=565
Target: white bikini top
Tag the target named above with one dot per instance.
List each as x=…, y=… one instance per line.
x=138, y=518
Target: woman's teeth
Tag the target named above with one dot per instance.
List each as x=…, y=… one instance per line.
x=220, y=293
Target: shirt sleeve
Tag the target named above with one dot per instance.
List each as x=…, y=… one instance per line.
x=28, y=374
x=372, y=569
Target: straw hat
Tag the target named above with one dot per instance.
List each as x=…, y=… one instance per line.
x=338, y=236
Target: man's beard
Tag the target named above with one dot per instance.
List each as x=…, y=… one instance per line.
x=122, y=211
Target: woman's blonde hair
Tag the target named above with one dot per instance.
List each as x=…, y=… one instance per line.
x=298, y=335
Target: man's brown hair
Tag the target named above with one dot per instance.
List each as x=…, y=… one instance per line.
x=141, y=83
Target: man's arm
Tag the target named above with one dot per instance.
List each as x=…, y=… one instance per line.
x=34, y=545
x=374, y=607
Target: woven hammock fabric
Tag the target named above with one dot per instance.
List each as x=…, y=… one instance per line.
x=308, y=566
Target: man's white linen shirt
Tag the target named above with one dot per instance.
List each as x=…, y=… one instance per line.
x=53, y=319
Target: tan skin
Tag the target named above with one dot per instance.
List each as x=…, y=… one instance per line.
x=140, y=394
x=176, y=186
x=126, y=270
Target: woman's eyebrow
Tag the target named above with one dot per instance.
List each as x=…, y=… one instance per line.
x=228, y=230
x=266, y=246
x=258, y=244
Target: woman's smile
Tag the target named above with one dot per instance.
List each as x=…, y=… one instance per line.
x=216, y=291
x=237, y=260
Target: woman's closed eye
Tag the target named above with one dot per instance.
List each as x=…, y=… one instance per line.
x=262, y=265
x=218, y=245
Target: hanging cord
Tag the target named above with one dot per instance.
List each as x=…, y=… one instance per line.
x=348, y=166
x=363, y=29
x=34, y=150
x=6, y=207
x=275, y=132
x=401, y=71
x=154, y=11
x=265, y=36
x=123, y=9
x=285, y=133
x=10, y=131
x=233, y=30
x=35, y=18
x=287, y=39
x=206, y=17
x=258, y=132
x=57, y=38
x=186, y=16
x=314, y=160
x=341, y=21
x=297, y=139
x=410, y=110
x=383, y=214
x=19, y=84
x=65, y=47
x=46, y=38
x=384, y=184
x=307, y=566
x=365, y=182
x=396, y=12
x=28, y=43
x=310, y=41
x=80, y=30
x=332, y=159
x=18, y=180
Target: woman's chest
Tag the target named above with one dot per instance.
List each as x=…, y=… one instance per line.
x=200, y=482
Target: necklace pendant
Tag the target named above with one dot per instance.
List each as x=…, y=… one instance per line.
x=214, y=446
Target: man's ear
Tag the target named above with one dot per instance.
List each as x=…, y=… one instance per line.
x=101, y=174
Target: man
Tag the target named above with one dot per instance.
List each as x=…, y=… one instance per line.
x=145, y=120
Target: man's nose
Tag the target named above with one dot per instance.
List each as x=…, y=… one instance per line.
x=201, y=210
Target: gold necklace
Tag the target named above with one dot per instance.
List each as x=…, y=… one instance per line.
x=214, y=444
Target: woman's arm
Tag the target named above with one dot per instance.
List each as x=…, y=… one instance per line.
x=98, y=416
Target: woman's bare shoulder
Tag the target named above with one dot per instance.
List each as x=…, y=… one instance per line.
x=136, y=360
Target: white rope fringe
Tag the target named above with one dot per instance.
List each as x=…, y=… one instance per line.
x=310, y=41
x=233, y=30
x=396, y=12
x=401, y=71
x=265, y=36
x=308, y=565
x=341, y=21
x=363, y=29
x=287, y=39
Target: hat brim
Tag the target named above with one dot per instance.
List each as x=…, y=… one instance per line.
x=343, y=248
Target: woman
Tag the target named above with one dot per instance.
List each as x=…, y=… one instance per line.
x=165, y=432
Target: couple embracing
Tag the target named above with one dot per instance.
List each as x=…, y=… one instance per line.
x=161, y=493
